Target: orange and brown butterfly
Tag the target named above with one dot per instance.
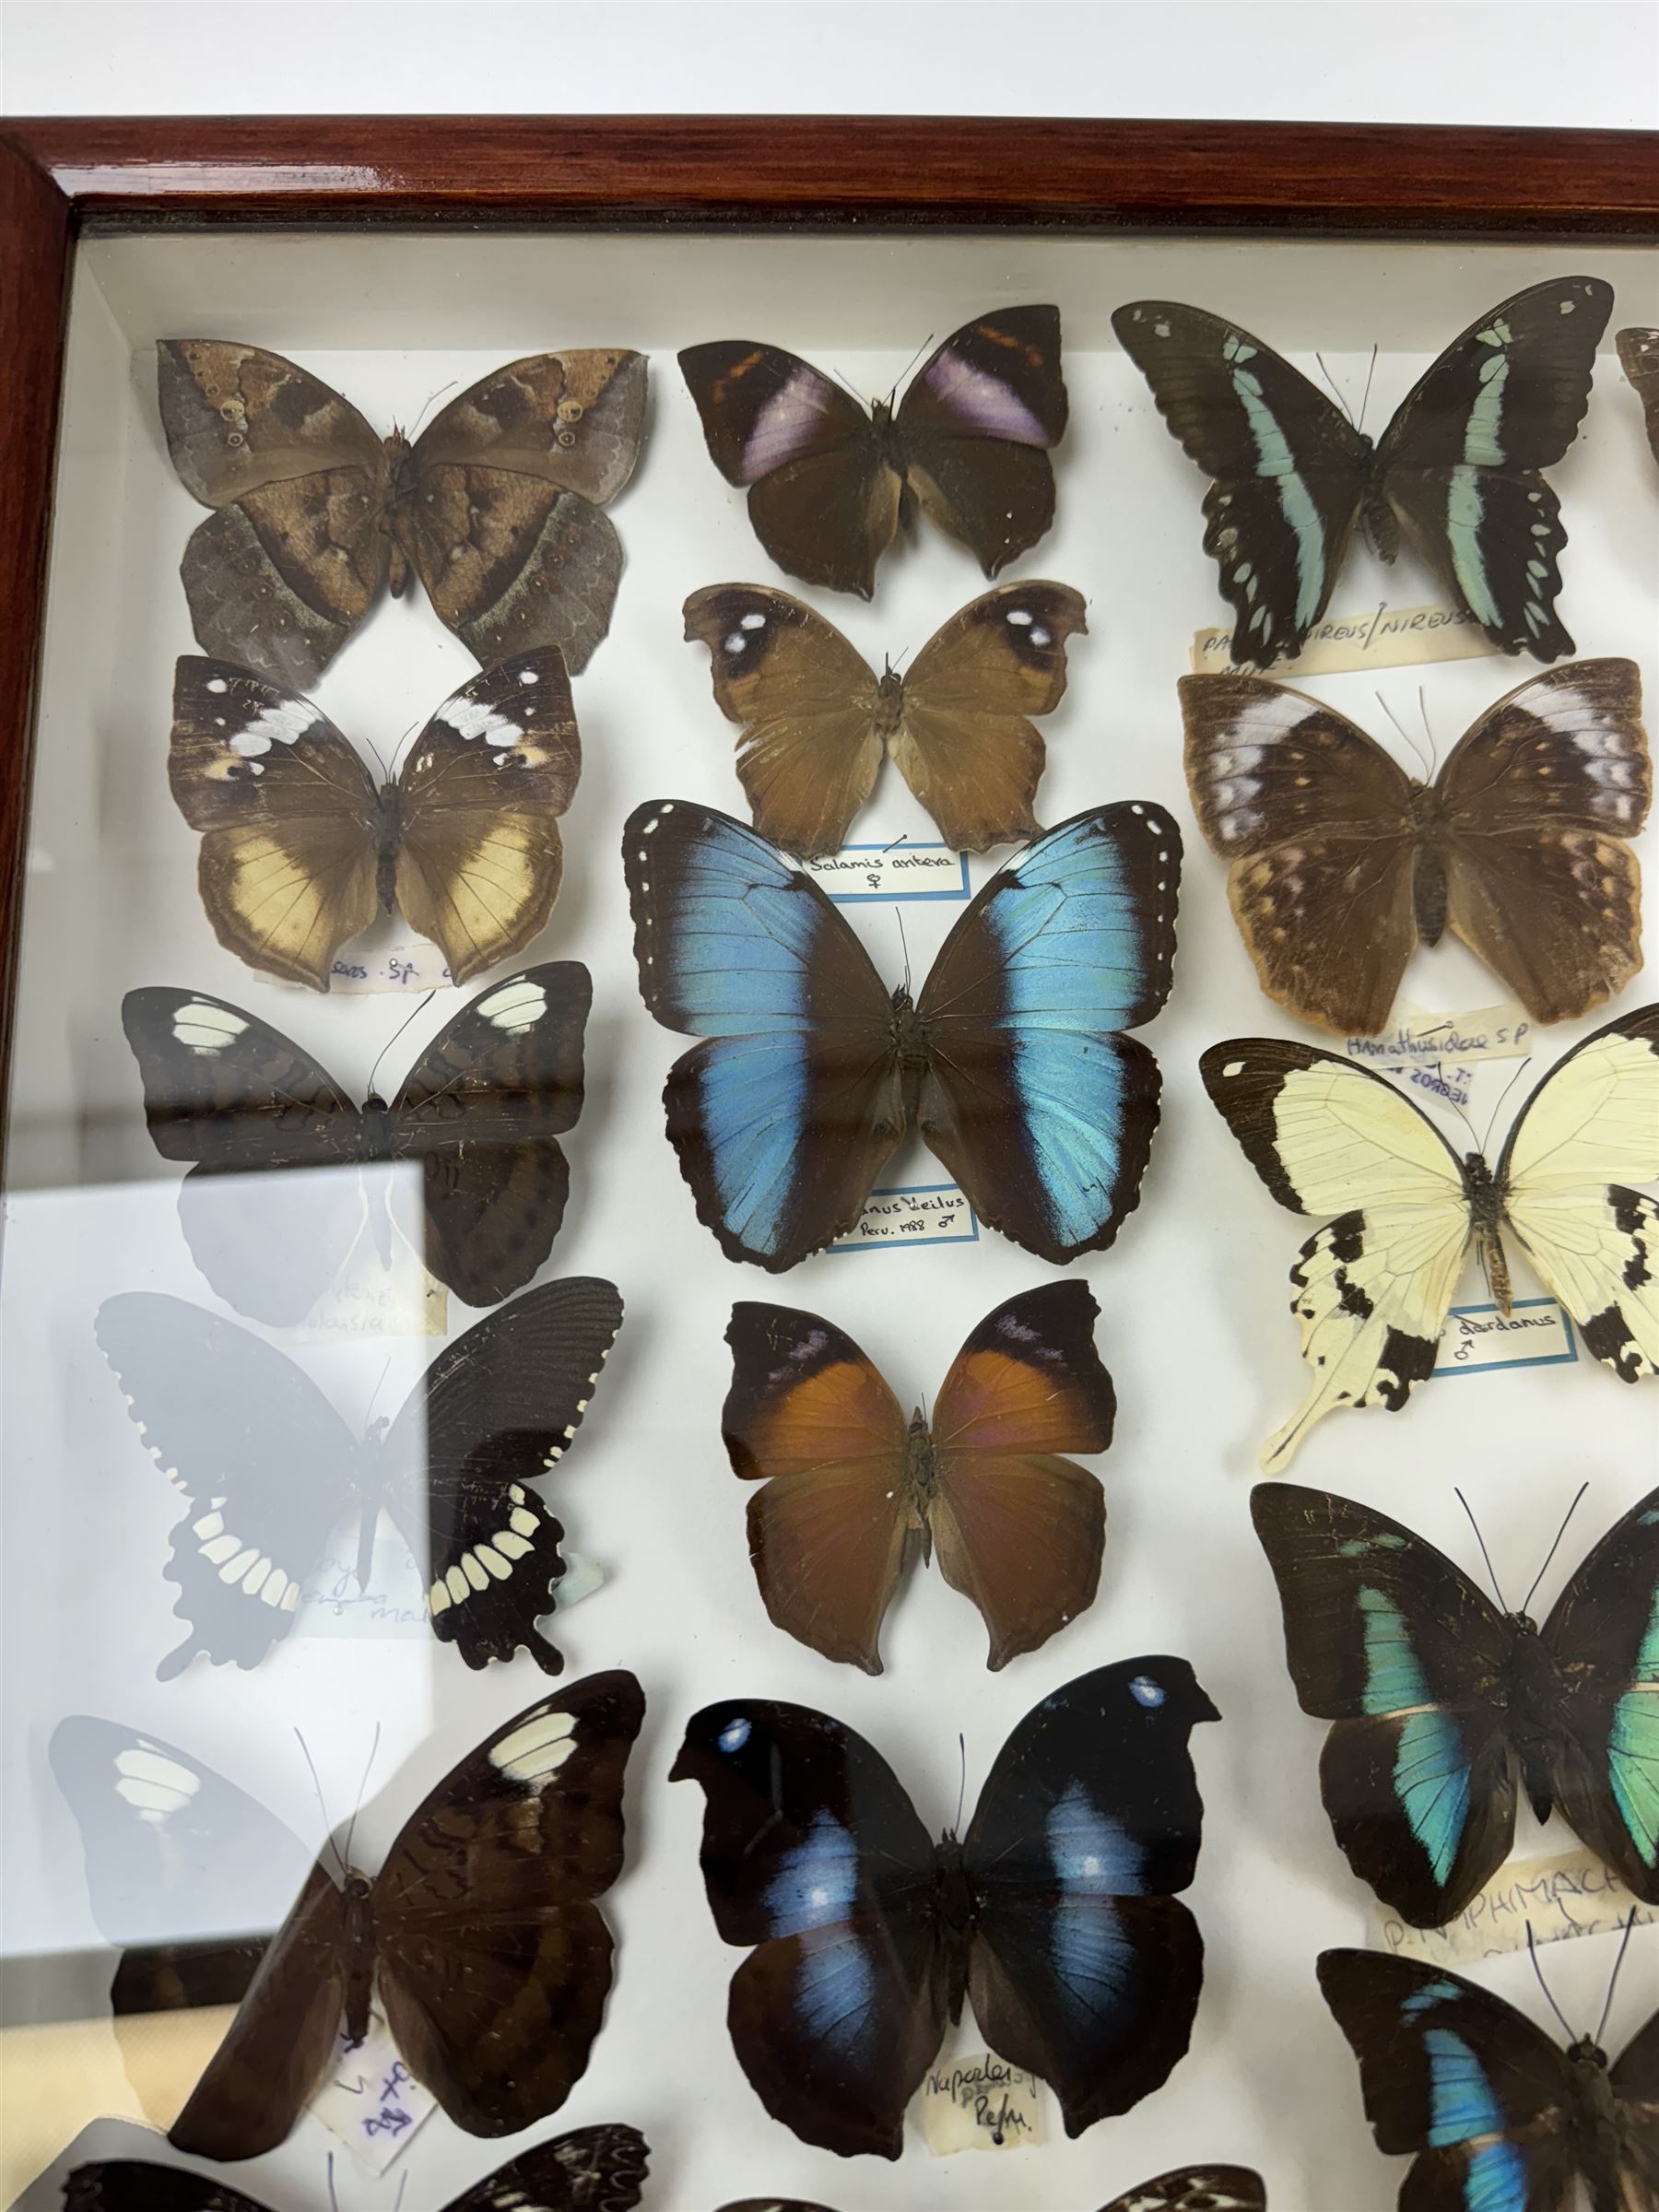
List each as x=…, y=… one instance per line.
x=1342, y=863
x=815, y=719
x=301, y=850
x=496, y=506
x=1639, y=354
x=851, y=1489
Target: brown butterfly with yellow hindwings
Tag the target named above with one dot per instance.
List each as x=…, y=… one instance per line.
x=496, y=506
x=300, y=850
x=815, y=719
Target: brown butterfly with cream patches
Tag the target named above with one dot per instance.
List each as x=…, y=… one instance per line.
x=816, y=720
x=1342, y=862
x=300, y=851
x=1639, y=354
x=496, y=506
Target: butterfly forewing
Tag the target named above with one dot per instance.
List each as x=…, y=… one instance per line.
x=1635, y=2083
x=1196, y=2189
x=1639, y=357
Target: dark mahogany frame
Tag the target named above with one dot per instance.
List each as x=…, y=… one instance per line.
x=62, y=179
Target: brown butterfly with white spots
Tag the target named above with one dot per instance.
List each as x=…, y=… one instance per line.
x=1191, y=2189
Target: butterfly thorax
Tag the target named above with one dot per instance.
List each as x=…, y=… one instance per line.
x=388, y=828
x=888, y=714
x=921, y=1479
x=955, y=1915
x=1429, y=878
x=1596, y=2128
x=374, y=1128
x=1486, y=1226
x=357, y=1943
x=1531, y=1692
x=888, y=444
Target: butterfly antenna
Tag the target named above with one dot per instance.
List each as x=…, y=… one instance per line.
x=1428, y=733
x=396, y=1033
x=1411, y=743
x=1335, y=393
x=1613, y=1981
x=961, y=1786
x=357, y=1808
x=414, y=431
x=333, y=2200
x=848, y=386
x=323, y=1802
x=1365, y=395
x=904, y=947
x=915, y=356
x=1484, y=1554
x=1533, y=1949
x=1527, y=1601
x=1502, y=1096
x=398, y=2200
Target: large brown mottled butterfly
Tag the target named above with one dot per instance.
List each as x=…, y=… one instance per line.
x=478, y=1115
x=1191, y=2189
x=1456, y=473
x=852, y=1491
x=1057, y=1912
x=815, y=719
x=301, y=849
x=1342, y=862
x=829, y=485
x=496, y=506
x=591, y=2170
x=1639, y=354
x=268, y=1469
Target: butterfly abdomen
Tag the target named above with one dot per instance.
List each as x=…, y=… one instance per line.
x=955, y=1915
x=1536, y=1693
x=357, y=1943
x=1382, y=524
x=1485, y=1227
x=1429, y=878
x=389, y=830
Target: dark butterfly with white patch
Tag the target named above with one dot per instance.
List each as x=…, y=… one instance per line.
x=300, y=851
x=1057, y=1912
x=1371, y=1291
x=1342, y=863
x=852, y=1491
x=1012, y=1063
x=1500, y=2118
x=590, y=2170
x=1456, y=474
x=830, y=486
x=477, y=1116
x=268, y=1469
x=496, y=506
x=815, y=719
x=1441, y=1703
x=1193, y=2189
x=1639, y=356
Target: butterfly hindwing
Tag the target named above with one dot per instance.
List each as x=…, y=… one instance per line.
x=143, y=2185
x=590, y=2170
x=1196, y=2189
x=1639, y=357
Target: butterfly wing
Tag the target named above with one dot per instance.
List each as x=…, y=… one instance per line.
x=1604, y=1753
x=811, y=1418
x=478, y=857
x=1288, y=469
x=1019, y=1528
x=481, y=1111
x=1039, y=1106
x=590, y=2170
x=1589, y=1130
x=495, y=1960
x=786, y=1112
x=965, y=744
x=1458, y=2076
x=1635, y=2085
x=142, y=2185
x=231, y=1096
x=974, y=427
x=1317, y=822
x=1391, y=1642
x=264, y=1464
x=813, y=1854
x=282, y=574
x=1196, y=2189
x=1639, y=357
x=1084, y=1967
x=1371, y=1290
x=1459, y=464
x=806, y=707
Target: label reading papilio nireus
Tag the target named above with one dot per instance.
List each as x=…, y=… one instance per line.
x=900, y=870
x=924, y=1213
x=1571, y=1895
x=1381, y=636
x=981, y=2103
x=370, y=2100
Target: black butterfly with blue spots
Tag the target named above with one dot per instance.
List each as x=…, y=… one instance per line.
x=1057, y=1914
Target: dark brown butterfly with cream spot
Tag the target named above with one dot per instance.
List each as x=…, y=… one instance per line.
x=830, y=486
x=300, y=851
x=496, y=506
x=1639, y=353
x=1342, y=862
x=815, y=719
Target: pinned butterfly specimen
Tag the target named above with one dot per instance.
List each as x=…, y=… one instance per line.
x=1057, y=1912
x=1456, y=475
x=496, y=506
x=300, y=851
x=830, y=486
x=478, y=1115
x=1444, y=1706
x=815, y=719
x=1011, y=1062
x=852, y=1490
x=1342, y=863
x=591, y=2170
x=268, y=1469
x=1500, y=2118
x=1371, y=1291
x=1639, y=354
x=1193, y=2189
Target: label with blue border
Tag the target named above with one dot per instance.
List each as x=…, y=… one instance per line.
x=902, y=871
x=918, y=1213
x=1534, y=1333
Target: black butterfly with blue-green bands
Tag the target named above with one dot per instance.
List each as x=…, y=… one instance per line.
x=1455, y=473
x=1444, y=1707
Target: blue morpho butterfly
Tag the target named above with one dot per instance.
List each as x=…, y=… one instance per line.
x=1010, y=1063
x=1456, y=473
x=1057, y=1912
x=1445, y=1707
x=1501, y=2117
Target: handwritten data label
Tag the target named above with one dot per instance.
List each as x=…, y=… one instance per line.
x=1384, y=637
x=1534, y=1333
x=1421, y=1039
x=981, y=2104
x=373, y=1300
x=371, y=2100
x=415, y=967
x=394, y=1604
x=1572, y=1895
x=897, y=871
x=927, y=1213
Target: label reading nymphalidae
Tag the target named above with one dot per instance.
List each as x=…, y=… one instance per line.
x=900, y=871
x=927, y=1213
x=370, y=2100
x=1478, y=1339
x=981, y=2103
x=1382, y=637
x=1559, y=1898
